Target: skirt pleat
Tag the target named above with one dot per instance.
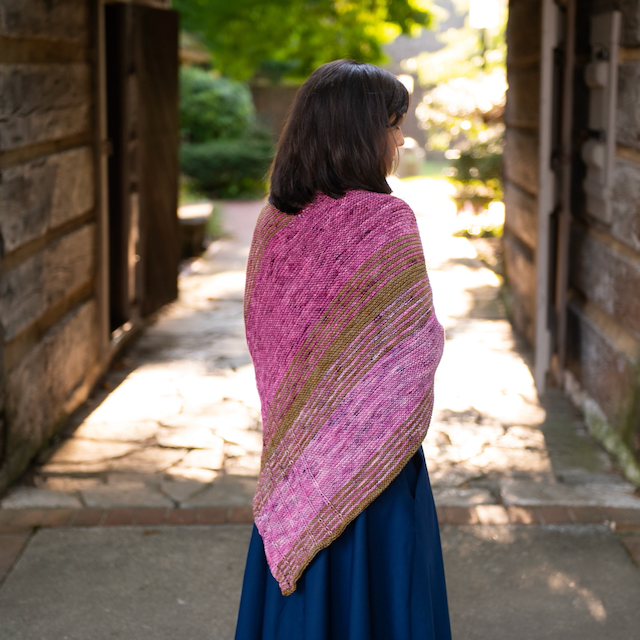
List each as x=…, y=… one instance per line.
x=382, y=579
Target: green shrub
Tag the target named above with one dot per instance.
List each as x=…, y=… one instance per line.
x=477, y=174
x=228, y=168
x=213, y=108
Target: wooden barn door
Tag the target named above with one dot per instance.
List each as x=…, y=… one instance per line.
x=156, y=62
x=141, y=51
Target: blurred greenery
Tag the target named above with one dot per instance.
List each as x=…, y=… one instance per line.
x=477, y=174
x=279, y=39
x=213, y=107
x=189, y=192
x=228, y=168
x=463, y=105
x=224, y=153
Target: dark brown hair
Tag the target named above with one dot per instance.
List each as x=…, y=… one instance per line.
x=336, y=137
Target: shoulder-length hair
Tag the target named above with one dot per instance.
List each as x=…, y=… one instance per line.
x=337, y=134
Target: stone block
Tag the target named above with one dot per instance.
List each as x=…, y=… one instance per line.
x=521, y=159
x=630, y=24
x=43, y=102
x=456, y=497
x=117, y=431
x=227, y=491
x=77, y=450
x=525, y=493
x=607, y=279
x=181, y=490
x=628, y=107
x=11, y=546
x=204, y=476
x=32, y=497
x=27, y=291
x=492, y=514
x=246, y=465
x=625, y=225
x=524, y=30
x=605, y=373
x=51, y=19
x=250, y=441
x=125, y=494
x=37, y=387
x=43, y=194
x=523, y=96
x=204, y=459
x=188, y=438
x=521, y=214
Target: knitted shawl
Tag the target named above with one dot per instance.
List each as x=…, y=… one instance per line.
x=345, y=342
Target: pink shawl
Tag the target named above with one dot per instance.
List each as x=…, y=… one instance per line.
x=345, y=342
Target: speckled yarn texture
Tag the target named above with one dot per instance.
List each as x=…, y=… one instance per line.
x=345, y=342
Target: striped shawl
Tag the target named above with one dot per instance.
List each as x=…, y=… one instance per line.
x=345, y=342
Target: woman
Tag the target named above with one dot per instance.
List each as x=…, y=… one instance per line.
x=345, y=343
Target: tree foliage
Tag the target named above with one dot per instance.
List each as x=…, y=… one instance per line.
x=463, y=103
x=276, y=38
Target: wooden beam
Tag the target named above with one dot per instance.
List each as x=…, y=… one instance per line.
x=13, y=157
x=628, y=54
x=627, y=153
x=16, y=257
x=17, y=348
x=40, y=51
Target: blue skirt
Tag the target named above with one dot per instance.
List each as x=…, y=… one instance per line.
x=382, y=579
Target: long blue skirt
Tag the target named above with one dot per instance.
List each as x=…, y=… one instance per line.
x=382, y=579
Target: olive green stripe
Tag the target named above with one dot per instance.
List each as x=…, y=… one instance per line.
x=345, y=299
x=326, y=519
x=338, y=309
x=318, y=526
x=352, y=373
x=380, y=301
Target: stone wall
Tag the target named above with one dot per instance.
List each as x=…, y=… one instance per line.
x=48, y=308
x=521, y=160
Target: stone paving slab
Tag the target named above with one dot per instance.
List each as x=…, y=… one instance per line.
x=134, y=583
x=574, y=583
x=504, y=582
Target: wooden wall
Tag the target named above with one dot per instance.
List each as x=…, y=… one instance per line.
x=604, y=312
x=48, y=312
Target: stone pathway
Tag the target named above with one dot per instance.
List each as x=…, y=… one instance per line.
x=98, y=541
x=173, y=434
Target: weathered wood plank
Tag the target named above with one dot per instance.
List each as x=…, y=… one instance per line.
x=40, y=195
x=521, y=278
x=523, y=98
x=523, y=30
x=521, y=214
x=26, y=51
x=40, y=102
x=605, y=373
x=630, y=24
x=37, y=388
x=607, y=279
x=50, y=19
x=625, y=224
x=628, y=107
x=521, y=159
x=27, y=291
